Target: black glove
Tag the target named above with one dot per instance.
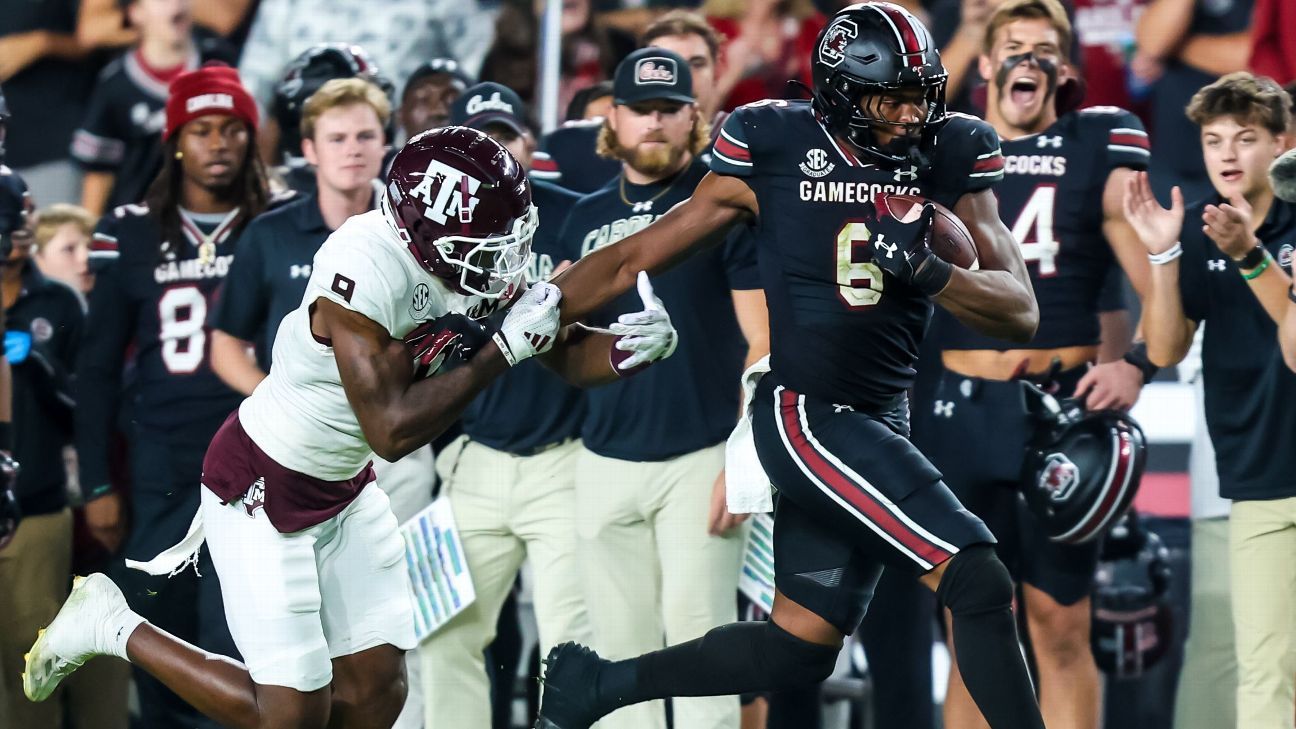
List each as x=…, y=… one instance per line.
x=901, y=249
x=445, y=342
x=9, y=513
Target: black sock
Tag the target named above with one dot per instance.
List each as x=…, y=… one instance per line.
x=978, y=591
x=731, y=659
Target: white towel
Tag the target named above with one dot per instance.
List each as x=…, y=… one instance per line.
x=173, y=560
x=747, y=487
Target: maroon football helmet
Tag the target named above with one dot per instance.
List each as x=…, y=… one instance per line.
x=462, y=204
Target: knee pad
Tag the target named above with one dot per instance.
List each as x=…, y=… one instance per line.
x=975, y=582
x=795, y=662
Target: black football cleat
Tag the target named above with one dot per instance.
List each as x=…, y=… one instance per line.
x=570, y=681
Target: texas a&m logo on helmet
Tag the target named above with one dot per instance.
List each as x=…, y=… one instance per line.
x=462, y=205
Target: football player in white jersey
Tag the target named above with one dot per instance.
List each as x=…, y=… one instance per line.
x=309, y=554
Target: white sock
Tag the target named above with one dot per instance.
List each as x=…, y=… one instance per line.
x=119, y=631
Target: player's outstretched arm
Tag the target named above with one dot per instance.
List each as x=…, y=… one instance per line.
x=717, y=203
x=997, y=300
x=397, y=413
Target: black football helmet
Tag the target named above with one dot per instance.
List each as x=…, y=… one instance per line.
x=1082, y=468
x=309, y=71
x=16, y=208
x=462, y=205
x=1132, y=622
x=871, y=49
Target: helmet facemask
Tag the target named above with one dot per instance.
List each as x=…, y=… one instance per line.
x=853, y=111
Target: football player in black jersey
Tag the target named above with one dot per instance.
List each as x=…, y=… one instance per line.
x=1064, y=175
x=849, y=292
x=158, y=269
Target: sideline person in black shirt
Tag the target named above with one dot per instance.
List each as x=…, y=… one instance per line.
x=1231, y=265
x=42, y=327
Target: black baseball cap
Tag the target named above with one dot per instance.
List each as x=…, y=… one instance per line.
x=434, y=66
x=649, y=74
x=490, y=103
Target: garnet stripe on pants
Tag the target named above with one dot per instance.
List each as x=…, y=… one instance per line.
x=873, y=509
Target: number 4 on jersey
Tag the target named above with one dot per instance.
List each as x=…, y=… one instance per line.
x=1033, y=230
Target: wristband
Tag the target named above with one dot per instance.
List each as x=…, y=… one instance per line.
x=1160, y=259
x=1253, y=258
x=100, y=490
x=1259, y=269
x=6, y=437
x=1138, y=357
x=934, y=276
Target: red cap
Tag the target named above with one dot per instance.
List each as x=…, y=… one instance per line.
x=209, y=90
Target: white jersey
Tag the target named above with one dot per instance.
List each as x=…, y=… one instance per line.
x=299, y=414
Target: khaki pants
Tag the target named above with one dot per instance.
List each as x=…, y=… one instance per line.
x=1208, y=683
x=35, y=574
x=650, y=570
x=1262, y=545
x=507, y=508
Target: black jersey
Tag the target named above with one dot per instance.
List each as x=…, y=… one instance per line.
x=567, y=158
x=840, y=329
x=1051, y=198
x=151, y=298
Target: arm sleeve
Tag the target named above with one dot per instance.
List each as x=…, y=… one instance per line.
x=732, y=153
x=243, y=302
x=99, y=374
x=544, y=167
x=98, y=144
x=740, y=260
x=1125, y=140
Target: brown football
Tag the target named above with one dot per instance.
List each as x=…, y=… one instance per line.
x=950, y=237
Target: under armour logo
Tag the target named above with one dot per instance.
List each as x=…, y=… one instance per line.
x=1046, y=141
x=842, y=408
x=643, y=207
x=296, y=271
x=882, y=245
x=1217, y=264
x=903, y=175
x=944, y=408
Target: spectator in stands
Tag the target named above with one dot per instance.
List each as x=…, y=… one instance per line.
x=590, y=51
x=1105, y=35
x=1273, y=40
x=429, y=92
x=118, y=142
x=1222, y=261
x=399, y=34
x=768, y=42
x=46, y=82
x=105, y=24
x=1183, y=45
x=62, y=234
x=157, y=268
x=42, y=330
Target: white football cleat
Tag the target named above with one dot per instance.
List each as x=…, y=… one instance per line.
x=79, y=632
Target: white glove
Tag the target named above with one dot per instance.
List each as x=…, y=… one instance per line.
x=648, y=335
x=531, y=325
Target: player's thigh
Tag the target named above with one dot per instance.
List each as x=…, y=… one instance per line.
x=858, y=477
x=271, y=589
x=821, y=569
x=363, y=581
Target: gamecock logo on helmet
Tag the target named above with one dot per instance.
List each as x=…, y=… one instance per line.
x=832, y=50
x=454, y=197
x=1059, y=477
